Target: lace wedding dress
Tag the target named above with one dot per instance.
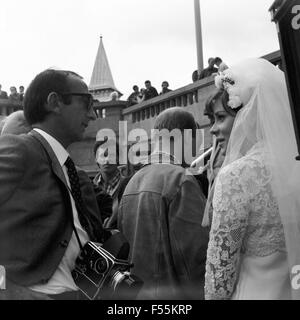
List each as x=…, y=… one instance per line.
x=246, y=257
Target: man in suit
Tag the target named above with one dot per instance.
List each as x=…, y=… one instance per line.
x=150, y=91
x=14, y=96
x=42, y=214
x=207, y=72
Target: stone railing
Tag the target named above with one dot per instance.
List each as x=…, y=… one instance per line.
x=191, y=97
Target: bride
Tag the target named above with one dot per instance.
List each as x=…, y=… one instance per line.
x=254, y=241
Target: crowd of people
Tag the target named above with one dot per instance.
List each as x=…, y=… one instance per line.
x=139, y=95
x=14, y=95
x=149, y=92
x=210, y=69
x=236, y=239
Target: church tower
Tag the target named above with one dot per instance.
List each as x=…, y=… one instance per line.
x=102, y=84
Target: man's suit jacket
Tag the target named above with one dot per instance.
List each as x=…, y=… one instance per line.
x=35, y=209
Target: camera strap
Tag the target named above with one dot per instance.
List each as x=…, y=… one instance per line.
x=77, y=236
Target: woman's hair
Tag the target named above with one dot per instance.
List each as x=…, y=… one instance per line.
x=222, y=95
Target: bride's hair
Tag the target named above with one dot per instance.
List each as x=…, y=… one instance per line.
x=222, y=95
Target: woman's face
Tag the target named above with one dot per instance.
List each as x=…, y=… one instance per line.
x=223, y=122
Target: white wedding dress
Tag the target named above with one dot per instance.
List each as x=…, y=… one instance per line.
x=246, y=257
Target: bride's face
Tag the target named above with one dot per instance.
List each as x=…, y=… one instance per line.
x=223, y=122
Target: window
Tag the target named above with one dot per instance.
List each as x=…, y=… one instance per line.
x=103, y=113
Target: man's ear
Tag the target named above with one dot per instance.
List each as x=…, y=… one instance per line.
x=53, y=103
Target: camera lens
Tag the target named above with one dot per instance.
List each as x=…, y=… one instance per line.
x=101, y=265
x=125, y=285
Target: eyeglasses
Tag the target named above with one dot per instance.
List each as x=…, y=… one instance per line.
x=87, y=97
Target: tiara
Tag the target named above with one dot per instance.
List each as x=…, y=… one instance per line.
x=224, y=81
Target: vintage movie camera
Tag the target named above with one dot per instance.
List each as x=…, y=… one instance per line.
x=103, y=271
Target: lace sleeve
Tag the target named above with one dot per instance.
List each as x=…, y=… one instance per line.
x=226, y=236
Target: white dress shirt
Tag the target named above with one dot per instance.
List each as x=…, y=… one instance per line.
x=62, y=280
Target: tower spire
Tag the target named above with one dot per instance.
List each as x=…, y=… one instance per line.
x=102, y=83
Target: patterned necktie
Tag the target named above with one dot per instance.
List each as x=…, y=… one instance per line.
x=76, y=193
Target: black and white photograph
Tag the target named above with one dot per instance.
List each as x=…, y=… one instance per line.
x=149, y=153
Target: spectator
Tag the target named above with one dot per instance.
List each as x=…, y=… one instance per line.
x=14, y=96
x=209, y=70
x=221, y=65
x=161, y=214
x=132, y=99
x=3, y=94
x=195, y=76
x=109, y=181
x=141, y=96
x=114, y=96
x=44, y=201
x=150, y=91
x=21, y=93
x=165, y=87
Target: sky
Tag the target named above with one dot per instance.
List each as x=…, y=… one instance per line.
x=144, y=40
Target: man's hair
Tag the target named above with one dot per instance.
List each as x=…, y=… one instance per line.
x=148, y=81
x=166, y=82
x=135, y=87
x=210, y=60
x=41, y=86
x=218, y=59
x=175, y=118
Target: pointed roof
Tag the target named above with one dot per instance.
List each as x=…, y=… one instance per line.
x=101, y=76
